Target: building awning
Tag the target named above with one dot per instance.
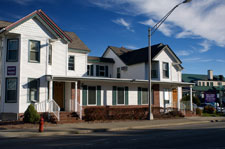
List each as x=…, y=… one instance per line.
x=122, y=80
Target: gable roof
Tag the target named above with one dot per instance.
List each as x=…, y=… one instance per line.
x=93, y=59
x=4, y=24
x=7, y=26
x=76, y=43
x=130, y=57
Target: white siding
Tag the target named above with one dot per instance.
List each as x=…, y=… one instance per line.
x=80, y=64
x=118, y=62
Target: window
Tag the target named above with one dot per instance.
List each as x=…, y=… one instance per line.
x=203, y=83
x=34, y=51
x=199, y=83
x=219, y=83
x=102, y=71
x=71, y=63
x=33, y=90
x=50, y=55
x=12, y=50
x=92, y=95
x=90, y=70
x=211, y=83
x=207, y=83
x=165, y=70
x=120, y=95
x=118, y=72
x=154, y=70
x=11, y=90
x=144, y=96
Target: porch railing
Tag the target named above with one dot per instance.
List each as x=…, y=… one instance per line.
x=41, y=106
x=48, y=106
x=54, y=108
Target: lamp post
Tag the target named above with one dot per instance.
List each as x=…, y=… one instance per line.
x=151, y=31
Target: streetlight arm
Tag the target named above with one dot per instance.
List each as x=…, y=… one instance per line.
x=157, y=25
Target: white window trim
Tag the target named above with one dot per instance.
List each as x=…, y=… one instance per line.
x=73, y=62
x=168, y=70
x=95, y=97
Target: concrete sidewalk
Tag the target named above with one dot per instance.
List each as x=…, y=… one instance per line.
x=90, y=127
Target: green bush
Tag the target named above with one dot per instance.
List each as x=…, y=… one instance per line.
x=195, y=99
x=198, y=111
x=31, y=115
x=209, y=109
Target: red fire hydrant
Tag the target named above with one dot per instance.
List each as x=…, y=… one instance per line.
x=41, y=124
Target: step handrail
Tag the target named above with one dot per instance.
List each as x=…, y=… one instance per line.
x=54, y=108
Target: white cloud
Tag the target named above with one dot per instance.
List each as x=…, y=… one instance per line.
x=205, y=46
x=164, y=28
x=124, y=23
x=131, y=47
x=184, y=52
x=220, y=60
x=201, y=18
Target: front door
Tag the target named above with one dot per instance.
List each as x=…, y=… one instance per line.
x=58, y=94
x=175, y=98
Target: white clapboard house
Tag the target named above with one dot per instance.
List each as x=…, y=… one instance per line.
x=44, y=65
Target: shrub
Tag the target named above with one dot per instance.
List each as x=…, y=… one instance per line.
x=209, y=109
x=198, y=111
x=195, y=99
x=31, y=115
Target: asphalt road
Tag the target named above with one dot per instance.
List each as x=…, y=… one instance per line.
x=208, y=135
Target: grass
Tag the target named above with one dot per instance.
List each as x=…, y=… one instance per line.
x=213, y=115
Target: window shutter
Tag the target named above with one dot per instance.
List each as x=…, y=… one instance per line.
x=106, y=71
x=84, y=97
x=38, y=89
x=88, y=69
x=126, y=95
x=114, y=95
x=97, y=70
x=92, y=70
x=139, y=96
x=98, y=95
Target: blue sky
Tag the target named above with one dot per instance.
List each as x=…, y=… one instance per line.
x=195, y=31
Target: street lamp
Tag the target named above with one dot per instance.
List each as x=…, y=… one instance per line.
x=150, y=33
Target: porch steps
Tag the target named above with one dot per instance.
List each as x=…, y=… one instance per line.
x=68, y=117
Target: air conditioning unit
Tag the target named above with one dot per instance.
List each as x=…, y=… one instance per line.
x=124, y=68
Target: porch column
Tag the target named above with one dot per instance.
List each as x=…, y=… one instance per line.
x=50, y=90
x=75, y=96
x=191, y=105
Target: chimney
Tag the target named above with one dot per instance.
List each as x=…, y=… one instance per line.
x=210, y=74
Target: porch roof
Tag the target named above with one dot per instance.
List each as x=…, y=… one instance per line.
x=103, y=79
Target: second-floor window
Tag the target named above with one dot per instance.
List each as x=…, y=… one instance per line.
x=154, y=70
x=165, y=70
x=71, y=63
x=12, y=50
x=50, y=55
x=101, y=71
x=34, y=51
x=90, y=70
x=118, y=72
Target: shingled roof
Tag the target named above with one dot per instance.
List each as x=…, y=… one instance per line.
x=92, y=59
x=198, y=77
x=4, y=24
x=76, y=42
x=130, y=57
